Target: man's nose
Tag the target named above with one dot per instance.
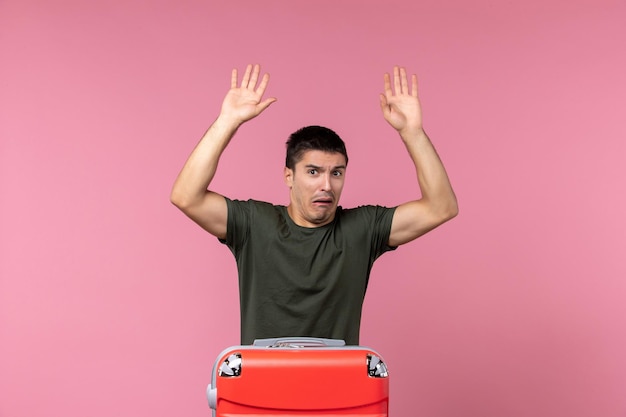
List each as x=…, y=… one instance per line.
x=326, y=182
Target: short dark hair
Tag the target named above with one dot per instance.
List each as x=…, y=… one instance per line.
x=311, y=138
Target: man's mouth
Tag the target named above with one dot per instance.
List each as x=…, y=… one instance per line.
x=323, y=201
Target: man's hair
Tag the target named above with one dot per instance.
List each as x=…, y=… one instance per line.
x=313, y=138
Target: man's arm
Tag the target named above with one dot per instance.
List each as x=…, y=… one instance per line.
x=190, y=192
x=401, y=108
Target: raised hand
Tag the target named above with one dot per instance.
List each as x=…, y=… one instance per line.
x=400, y=105
x=244, y=102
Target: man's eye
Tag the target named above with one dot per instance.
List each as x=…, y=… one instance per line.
x=337, y=173
x=312, y=171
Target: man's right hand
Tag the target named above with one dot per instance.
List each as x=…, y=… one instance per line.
x=245, y=102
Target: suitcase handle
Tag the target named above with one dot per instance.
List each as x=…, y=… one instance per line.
x=297, y=342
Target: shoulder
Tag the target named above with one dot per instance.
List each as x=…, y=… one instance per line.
x=366, y=212
x=369, y=224
x=253, y=209
x=251, y=204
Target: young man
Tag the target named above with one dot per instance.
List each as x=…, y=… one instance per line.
x=303, y=269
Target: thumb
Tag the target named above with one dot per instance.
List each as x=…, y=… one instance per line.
x=384, y=105
x=266, y=103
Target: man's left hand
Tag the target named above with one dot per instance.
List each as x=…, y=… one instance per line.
x=400, y=105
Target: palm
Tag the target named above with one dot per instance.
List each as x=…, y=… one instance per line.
x=403, y=111
x=242, y=103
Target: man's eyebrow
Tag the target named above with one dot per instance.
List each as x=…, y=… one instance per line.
x=319, y=167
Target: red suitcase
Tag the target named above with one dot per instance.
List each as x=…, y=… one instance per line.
x=299, y=377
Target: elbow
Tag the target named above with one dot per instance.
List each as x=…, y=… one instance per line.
x=453, y=210
x=449, y=211
x=175, y=198
x=179, y=199
x=186, y=202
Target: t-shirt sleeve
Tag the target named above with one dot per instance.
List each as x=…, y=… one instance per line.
x=382, y=218
x=372, y=224
x=238, y=224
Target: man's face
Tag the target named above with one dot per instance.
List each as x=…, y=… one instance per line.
x=315, y=186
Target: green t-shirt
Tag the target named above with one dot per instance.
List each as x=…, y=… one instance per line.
x=298, y=281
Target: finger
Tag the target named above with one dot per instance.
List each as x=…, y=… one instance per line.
x=233, y=78
x=414, y=85
x=246, y=76
x=387, y=84
x=263, y=85
x=254, y=77
x=403, y=81
x=396, y=80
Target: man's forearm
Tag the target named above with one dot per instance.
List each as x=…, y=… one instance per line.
x=431, y=174
x=198, y=172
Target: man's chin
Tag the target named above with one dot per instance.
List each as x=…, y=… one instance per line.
x=322, y=219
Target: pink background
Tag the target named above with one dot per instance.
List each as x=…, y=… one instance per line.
x=112, y=303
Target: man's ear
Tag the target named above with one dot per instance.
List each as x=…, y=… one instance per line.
x=288, y=177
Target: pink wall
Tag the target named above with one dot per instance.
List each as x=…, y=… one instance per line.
x=114, y=304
